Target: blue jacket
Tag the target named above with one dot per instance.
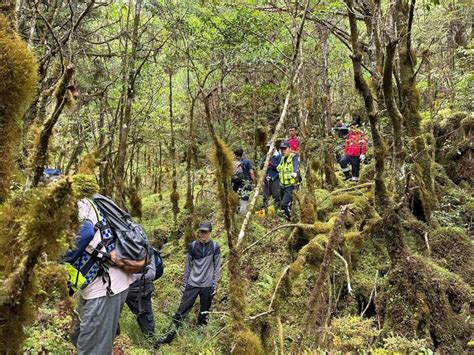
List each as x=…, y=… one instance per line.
x=83, y=238
x=272, y=166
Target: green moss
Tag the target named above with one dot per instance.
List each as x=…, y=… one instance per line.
x=323, y=202
x=423, y=300
x=352, y=334
x=18, y=81
x=247, y=343
x=314, y=251
x=452, y=248
x=343, y=199
x=322, y=227
x=84, y=185
x=43, y=226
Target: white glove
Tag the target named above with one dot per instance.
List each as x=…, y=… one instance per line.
x=362, y=157
x=293, y=175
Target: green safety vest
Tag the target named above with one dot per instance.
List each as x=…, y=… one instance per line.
x=285, y=168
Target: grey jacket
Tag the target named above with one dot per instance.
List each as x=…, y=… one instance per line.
x=203, y=264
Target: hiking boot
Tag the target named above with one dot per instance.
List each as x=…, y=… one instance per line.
x=166, y=338
x=355, y=179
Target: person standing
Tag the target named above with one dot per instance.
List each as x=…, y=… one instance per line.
x=201, y=276
x=288, y=172
x=342, y=130
x=139, y=298
x=243, y=178
x=355, y=148
x=293, y=139
x=271, y=186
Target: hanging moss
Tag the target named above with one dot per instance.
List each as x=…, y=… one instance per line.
x=135, y=203
x=88, y=164
x=18, y=80
x=84, y=186
x=43, y=225
x=452, y=248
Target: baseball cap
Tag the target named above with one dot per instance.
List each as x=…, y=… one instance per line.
x=284, y=144
x=205, y=226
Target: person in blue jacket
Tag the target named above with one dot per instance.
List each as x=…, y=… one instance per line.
x=271, y=186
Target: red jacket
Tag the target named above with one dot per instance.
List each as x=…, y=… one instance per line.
x=294, y=144
x=356, y=144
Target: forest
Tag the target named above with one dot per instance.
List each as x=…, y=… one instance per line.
x=148, y=102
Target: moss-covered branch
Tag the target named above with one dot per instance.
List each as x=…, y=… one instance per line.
x=61, y=97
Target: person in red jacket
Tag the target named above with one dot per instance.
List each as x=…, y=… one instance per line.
x=354, y=153
x=293, y=139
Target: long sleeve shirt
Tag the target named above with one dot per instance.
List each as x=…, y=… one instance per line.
x=203, y=264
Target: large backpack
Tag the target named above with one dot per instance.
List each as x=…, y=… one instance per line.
x=132, y=248
x=125, y=242
x=238, y=174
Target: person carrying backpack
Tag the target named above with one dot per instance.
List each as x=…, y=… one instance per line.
x=288, y=172
x=105, y=288
x=243, y=178
x=201, y=276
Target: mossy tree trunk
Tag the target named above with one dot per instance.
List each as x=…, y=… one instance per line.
x=381, y=194
x=174, y=197
x=328, y=151
x=404, y=12
x=394, y=113
x=128, y=96
x=222, y=158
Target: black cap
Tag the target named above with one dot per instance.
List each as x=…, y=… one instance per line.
x=205, y=226
x=284, y=144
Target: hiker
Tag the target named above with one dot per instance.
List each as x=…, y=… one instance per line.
x=288, y=173
x=201, y=276
x=342, y=130
x=355, y=148
x=271, y=186
x=139, y=298
x=101, y=301
x=243, y=179
x=293, y=139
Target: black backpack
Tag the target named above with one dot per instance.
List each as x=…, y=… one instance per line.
x=131, y=241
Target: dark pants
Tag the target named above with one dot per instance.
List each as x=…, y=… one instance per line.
x=286, y=198
x=140, y=304
x=187, y=301
x=355, y=164
x=271, y=188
